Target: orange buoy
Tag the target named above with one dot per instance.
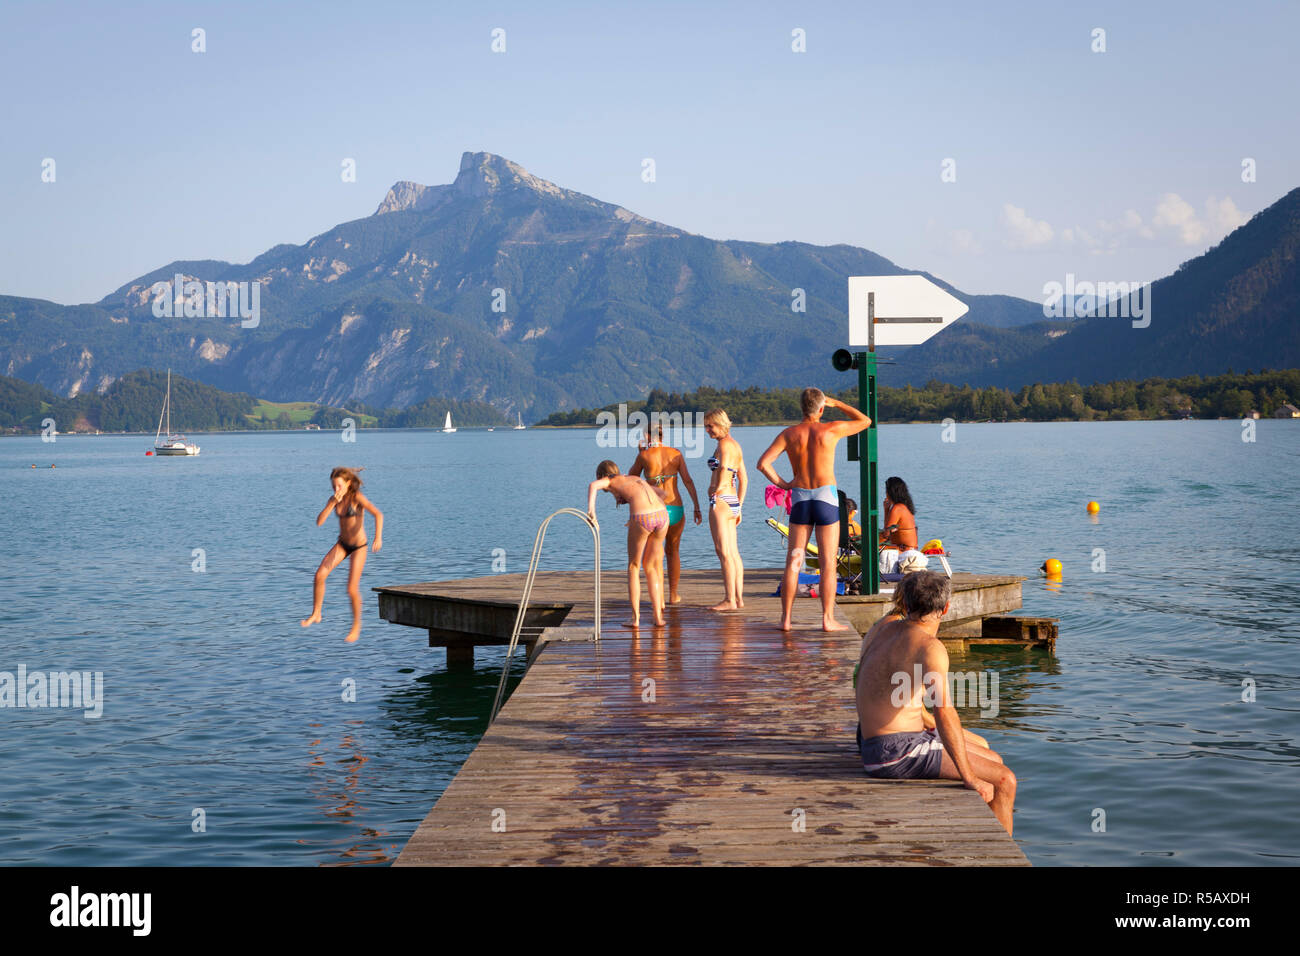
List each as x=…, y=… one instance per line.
x=1093, y=507
x=1051, y=567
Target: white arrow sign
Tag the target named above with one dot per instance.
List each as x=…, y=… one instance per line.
x=898, y=310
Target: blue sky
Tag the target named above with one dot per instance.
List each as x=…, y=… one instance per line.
x=1113, y=166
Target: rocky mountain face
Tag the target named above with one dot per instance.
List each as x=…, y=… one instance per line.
x=505, y=288
x=1237, y=306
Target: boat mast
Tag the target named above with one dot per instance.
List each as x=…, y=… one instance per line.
x=162, y=410
x=169, y=403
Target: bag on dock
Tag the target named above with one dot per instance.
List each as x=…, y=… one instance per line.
x=808, y=584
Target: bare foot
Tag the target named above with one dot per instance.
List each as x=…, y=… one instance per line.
x=787, y=626
x=724, y=606
x=660, y=622
x=676, y=599
x=740, y=602
x=634, y=625
x=309, y=621
x=830, y=624
x=353, y=635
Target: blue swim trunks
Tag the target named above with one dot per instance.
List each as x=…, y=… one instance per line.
x=905, y=756
x=815, y=506
x=676, y=514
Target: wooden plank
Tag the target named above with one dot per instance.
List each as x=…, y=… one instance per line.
x=481, y=611
x=745, y=725
x=1015, y=629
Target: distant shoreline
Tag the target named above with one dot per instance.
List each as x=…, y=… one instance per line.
x=511, y=428
x=134, y=399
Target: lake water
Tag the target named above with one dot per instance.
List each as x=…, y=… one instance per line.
x=215, y=700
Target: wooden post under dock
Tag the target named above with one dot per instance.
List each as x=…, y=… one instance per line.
x=714, y=740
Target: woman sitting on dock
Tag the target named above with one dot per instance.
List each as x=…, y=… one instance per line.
x=646, y=531
x=899, y=532
x=349, y=506
x=726, y=497
x=662, y=466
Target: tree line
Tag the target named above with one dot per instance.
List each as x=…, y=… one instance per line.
x=134, y=401
x=1230, y=395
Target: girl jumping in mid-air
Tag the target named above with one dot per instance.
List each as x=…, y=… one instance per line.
x=350, y=505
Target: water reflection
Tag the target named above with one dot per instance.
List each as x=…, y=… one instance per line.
x=1026, y=679
x=340, y=800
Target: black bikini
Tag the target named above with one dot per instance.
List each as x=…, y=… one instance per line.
x=349, y=548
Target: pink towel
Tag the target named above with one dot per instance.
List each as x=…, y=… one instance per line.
x=773, y=496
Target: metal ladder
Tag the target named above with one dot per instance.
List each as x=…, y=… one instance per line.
x=528, y=591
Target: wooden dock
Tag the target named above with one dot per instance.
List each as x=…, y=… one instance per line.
x=714, y=740
x=471, y=612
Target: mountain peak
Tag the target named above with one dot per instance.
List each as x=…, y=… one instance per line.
x=408, y=195
x=482, y=174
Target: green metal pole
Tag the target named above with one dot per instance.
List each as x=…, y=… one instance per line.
x=869, y=506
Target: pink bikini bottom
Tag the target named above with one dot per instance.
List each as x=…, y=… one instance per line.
x=652, y=521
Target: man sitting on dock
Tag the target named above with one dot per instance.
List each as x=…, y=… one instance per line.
x=903, y=666
x=815, y=501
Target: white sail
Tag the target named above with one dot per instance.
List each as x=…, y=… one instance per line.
x=447, y=427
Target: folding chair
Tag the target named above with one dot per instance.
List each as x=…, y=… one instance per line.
x=844, y=556
x=812, y=560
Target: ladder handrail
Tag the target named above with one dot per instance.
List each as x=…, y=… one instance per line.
x=528, y=591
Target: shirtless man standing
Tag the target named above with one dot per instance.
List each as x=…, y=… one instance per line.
x=894, y=739
x=810, y=446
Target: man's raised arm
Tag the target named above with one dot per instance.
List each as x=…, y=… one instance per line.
x=857, y=420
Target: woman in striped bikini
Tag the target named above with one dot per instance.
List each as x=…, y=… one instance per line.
x=646, y=531
x=726, y=496
x=663, y=466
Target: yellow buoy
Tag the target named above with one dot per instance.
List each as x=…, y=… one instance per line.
x=1052, y=568
x=1093, y=507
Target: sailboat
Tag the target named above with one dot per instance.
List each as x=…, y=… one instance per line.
x=447, y=427
x=173, y=444
x=520, y=426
